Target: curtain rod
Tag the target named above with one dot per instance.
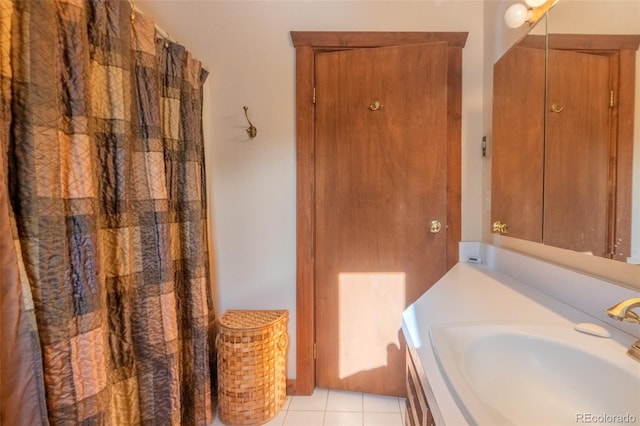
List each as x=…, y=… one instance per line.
x=160, y=31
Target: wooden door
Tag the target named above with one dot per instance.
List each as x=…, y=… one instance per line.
x=381, y=176
x=518, y=142
x=577, y=151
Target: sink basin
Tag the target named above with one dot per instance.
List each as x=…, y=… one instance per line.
x=525, y=374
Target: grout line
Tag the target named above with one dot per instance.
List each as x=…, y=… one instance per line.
x=326, y=404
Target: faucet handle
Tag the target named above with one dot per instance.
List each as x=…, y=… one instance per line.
x=631, y=316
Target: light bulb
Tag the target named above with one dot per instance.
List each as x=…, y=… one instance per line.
x=516, y=15
x=535, y=3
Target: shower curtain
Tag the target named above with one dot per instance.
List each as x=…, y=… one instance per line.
x=105, y=295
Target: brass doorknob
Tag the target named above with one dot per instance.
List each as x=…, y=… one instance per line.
x=500, y=228
x=435, y=227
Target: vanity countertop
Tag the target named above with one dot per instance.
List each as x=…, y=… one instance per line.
x=490, y=292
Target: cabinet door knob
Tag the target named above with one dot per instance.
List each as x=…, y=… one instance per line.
x=500, y=228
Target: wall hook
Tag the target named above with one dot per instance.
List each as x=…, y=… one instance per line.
x=556, y=108
x=251, y=130
x=376, y=106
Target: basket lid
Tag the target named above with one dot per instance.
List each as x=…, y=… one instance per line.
x=242, y=319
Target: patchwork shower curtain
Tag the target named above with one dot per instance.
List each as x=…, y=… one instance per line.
x=105, y=291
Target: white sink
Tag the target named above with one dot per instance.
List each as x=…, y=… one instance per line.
x=523, y=374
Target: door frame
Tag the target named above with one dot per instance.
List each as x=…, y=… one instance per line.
x=307, y=44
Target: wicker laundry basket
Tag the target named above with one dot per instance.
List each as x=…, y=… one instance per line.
x=252, y=377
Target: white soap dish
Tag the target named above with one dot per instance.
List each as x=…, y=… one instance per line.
x=593, y=329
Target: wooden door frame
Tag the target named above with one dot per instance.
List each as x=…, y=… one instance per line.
x=307, y=44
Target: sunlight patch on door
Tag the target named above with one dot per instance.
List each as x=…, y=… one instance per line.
x=370, y=310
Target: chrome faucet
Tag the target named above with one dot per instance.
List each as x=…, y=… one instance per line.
x=623, y=312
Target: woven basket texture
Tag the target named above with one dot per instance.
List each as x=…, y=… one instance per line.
x=252, y=376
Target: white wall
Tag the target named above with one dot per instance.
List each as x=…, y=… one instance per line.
x=247, y=48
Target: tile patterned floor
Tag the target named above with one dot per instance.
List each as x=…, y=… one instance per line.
x=339, y=408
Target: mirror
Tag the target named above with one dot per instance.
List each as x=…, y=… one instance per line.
x=566, y=129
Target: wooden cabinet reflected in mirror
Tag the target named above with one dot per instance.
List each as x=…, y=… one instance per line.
x=563, y=142
x=589, y=143
x=518, y=140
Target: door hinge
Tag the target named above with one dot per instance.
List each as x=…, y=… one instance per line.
x=315, y=350
x=313, y=98
x=611, y=99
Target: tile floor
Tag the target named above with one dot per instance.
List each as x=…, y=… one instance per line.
x=339, y=408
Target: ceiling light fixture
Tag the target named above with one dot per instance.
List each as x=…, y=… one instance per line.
x=530, y=11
